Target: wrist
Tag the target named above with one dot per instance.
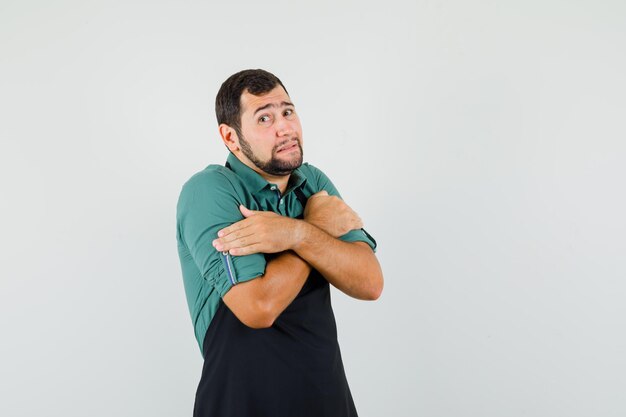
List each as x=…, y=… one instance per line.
x=301, y=230
x=318, y=224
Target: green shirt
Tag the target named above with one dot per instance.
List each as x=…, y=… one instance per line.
x=209, y=202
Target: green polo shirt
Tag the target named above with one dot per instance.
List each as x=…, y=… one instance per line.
x=210, y=201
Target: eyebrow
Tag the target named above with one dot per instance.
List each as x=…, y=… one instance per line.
x=268, y=105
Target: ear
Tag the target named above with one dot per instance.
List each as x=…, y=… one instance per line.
x=229, y=137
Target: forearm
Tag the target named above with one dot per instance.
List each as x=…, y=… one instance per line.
x=351, y=267
x=257, y=303
x=284, y=277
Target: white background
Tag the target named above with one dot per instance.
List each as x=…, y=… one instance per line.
x=482, y=143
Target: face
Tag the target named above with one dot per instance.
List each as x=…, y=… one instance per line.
x=271, y=135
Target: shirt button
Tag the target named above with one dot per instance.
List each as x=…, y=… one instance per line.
x=282, y=201
x=273, y=187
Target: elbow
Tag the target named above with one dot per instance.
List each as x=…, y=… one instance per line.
x=260, y=317
x=374, y=294
x=258, y=323
x=375, y=290
x=375, y=282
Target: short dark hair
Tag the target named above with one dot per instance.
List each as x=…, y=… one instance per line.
x=228, y=100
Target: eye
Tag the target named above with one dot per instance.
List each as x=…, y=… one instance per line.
x=264, y=119
x=288, y=112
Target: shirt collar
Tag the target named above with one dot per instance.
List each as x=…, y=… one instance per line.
x=256, y=182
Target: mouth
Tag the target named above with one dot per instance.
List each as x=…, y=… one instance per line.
x=293, y=145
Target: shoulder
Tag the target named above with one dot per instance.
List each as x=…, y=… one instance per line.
x=310, y=169
x=211, y=176
x=317, y=180
x=213, y=183
x=313, y=173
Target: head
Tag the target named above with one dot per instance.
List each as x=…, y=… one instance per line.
x=258, y=122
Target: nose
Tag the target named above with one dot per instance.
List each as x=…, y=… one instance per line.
x=284, y=128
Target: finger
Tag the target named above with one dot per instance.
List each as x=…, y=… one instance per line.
x=223, y=246
x=239, y=234
x=246, y=211
x=247, y=250
x=241, y=224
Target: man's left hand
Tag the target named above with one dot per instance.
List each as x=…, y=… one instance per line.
x=259, y=232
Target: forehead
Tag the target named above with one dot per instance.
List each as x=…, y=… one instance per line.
x=250, y=102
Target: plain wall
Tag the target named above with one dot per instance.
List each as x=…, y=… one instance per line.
x=482, y=143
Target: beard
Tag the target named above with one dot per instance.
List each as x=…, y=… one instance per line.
x=273, y=166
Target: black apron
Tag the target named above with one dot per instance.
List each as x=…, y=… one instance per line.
x=292, y=369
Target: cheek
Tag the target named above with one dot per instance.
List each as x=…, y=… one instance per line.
x=297, y=127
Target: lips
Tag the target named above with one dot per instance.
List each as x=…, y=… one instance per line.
x=287, y=147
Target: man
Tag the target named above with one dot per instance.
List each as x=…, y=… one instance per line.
x=259, y=240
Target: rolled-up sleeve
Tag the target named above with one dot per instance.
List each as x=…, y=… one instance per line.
x=208, y=202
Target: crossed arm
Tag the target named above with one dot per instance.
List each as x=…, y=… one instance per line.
x=300, y=245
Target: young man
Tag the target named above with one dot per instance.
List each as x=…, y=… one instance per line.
x=259, y=241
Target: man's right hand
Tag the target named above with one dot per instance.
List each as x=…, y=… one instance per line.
x=331, y=214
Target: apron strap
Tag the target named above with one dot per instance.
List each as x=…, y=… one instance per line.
x=300, y=196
